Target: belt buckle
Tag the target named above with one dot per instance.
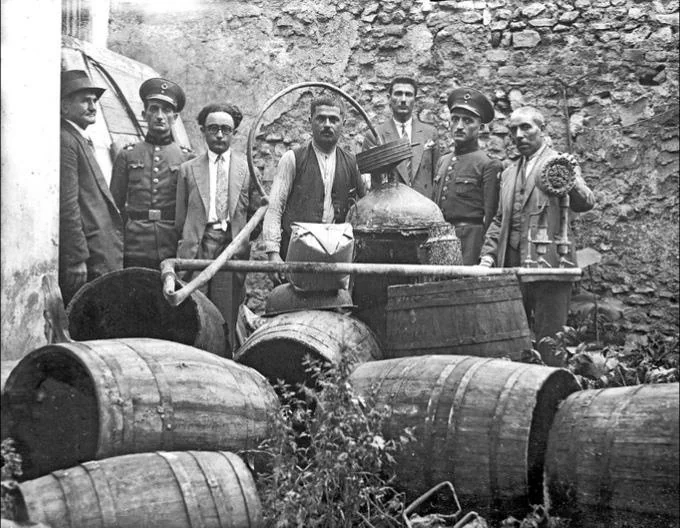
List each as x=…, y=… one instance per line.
x=154, y=214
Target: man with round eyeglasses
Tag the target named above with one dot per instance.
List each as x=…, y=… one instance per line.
x=144, y=178
x=215, y=199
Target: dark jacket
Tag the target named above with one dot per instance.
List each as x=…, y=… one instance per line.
x=425, y=154
x=90, y=225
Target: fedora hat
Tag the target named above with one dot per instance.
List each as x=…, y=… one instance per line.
x=76, y=80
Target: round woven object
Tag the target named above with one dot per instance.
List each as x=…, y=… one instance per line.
x=558, y=176
x=385, y=156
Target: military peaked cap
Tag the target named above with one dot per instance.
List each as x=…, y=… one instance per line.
x=168, y=91
x=73, y=81
x=472, y=100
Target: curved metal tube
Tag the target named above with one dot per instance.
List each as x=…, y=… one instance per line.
x=270, y=102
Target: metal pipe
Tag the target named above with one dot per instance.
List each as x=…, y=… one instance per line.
x=359, y=268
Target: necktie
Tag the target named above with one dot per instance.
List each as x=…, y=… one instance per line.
x=89, y=142
x=408, y=161
x=221, y=191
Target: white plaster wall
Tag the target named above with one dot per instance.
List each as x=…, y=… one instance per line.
x=29, y=194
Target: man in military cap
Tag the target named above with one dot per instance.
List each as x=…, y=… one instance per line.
x=144, y=178
x=90, y=225
x=467, y=183
x=418, y=171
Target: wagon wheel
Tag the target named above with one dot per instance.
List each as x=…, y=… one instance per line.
x=270, y=102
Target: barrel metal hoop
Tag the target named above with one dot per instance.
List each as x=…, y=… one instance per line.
x=166, y=409
x=248, y=408
x=604, y=490
x=184, y=482
x=246, y=505
x=223, y=506
x=62, y=479
x=117, y=404
x=459, y=395
x=495, y=431
x=101, y=487
x=432, y=407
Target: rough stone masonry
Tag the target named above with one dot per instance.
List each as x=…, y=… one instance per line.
x=605, y=73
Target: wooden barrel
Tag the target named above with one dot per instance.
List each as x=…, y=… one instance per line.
x=130, y=303
x=480, y=423
x=73, y=402
x=612, y=457
x=5, y=418
x=277, y=349
x=476, y=316
x=154, y=490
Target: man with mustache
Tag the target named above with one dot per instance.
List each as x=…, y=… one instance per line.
x=144, y=178
x=215, y=199
x=419, y=170
x=90, y=225
x=314, y=183
x=466, y=185
x=508, y=237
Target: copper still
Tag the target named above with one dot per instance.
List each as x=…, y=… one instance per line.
x=390, y=224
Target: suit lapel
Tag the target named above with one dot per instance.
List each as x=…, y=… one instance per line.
x=236, y=177
x=94, y=165
x=417, y=136
x=531, y=176
x=201, y=172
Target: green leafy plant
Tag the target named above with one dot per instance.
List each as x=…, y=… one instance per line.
x=11, y=501
x=328, y=462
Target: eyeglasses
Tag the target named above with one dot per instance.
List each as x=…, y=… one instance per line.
x=214, y=129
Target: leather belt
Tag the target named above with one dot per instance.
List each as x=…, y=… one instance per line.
x=167, y=213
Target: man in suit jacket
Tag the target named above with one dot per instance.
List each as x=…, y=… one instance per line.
x=419, y=171
x=507, y=239
x=90, y=225
x=215, y=199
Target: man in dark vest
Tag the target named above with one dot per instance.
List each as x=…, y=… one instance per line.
x=466, y=185
x=313, y=183
x=144, y=178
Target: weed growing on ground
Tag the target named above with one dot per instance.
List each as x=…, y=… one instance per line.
x=329, y=464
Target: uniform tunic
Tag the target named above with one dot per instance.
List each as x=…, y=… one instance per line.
x=144, y=186
x=467, y=192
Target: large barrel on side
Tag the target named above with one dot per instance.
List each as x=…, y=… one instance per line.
x=73, y=402
x=612, y=457
x=277, y=348
x=130, y=303
x=154, y=490
x=476, y=316
x=480, y=423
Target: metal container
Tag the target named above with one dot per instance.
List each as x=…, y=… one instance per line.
x=389, y=223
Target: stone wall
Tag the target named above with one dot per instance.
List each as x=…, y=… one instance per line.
x=604, y=72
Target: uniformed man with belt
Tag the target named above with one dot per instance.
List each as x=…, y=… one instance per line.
x=466, y=184
x=144, y=178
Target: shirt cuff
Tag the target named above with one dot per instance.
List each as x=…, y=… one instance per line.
x=272, y=247
x=487, y=260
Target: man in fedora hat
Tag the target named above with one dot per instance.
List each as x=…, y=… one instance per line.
x=466, y=185
x=90, y=225
x=418, y=171
x=144, y=178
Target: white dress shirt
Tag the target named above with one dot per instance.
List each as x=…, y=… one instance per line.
x=408, y=125
x=212, y=167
